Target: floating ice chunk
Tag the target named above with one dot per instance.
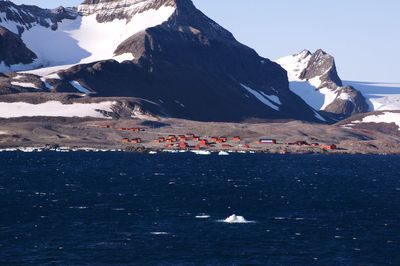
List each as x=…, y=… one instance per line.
x=198, y=152
x=152, y=152
x=236, y=219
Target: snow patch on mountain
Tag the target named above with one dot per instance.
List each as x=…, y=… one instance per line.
x=295, y=64
x=79, y=87
x=54, y=109
x=270, y=101
x=24, y=84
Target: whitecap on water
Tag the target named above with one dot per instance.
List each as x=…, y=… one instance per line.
x=236, y=219
x=203, y=216
x=78, y=207
x=118, y=209
x=159, y=233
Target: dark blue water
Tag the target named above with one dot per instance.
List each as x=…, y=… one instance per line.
x=132, y=209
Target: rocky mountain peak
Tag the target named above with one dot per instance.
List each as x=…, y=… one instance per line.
x=321, y=64
x=319, y=69
x=108, y=10
x=304, y=54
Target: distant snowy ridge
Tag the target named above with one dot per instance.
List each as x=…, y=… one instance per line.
x=380, y=96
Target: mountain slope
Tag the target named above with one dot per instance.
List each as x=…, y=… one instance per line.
x=166, y=52
x=195, y=69
x=314, y=77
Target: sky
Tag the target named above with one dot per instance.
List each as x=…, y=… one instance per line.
x=362, y=35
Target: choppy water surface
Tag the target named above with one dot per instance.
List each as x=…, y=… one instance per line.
x=170, y=209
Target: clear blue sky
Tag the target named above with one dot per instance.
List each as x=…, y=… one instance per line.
x=363, y=35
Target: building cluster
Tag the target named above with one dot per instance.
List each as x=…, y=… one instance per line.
x=182, y=141
x=193, y=141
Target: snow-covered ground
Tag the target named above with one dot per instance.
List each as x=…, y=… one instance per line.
x=83, y=40
x=24, y=84
x=380, y=96
x=385, y=117
x=54, y=109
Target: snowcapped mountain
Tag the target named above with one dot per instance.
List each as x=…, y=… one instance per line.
x=165, y=53
x=314, y=78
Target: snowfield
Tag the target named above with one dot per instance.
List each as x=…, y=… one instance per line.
x=54, y=109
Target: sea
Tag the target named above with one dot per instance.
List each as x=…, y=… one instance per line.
x=86, y=208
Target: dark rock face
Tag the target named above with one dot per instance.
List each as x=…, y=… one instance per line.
x=322, y=65
x=13, y=50
x=346, y=107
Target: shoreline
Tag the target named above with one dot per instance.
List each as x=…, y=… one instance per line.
x=144, y=150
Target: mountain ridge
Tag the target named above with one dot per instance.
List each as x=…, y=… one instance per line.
x=176, y=57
